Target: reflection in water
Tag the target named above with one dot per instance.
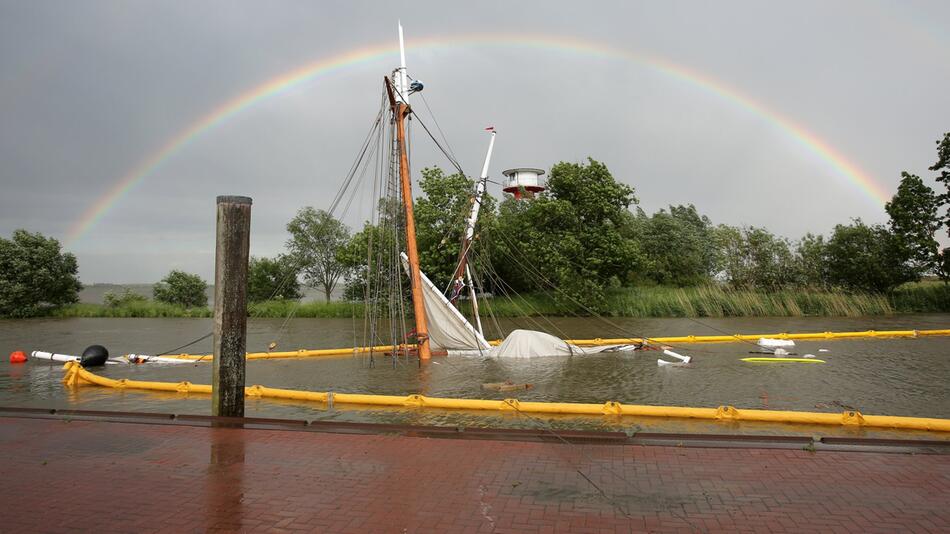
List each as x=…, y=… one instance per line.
x=224, y=485
x=425, y=375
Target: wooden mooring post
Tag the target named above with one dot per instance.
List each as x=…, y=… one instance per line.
x=230, y=305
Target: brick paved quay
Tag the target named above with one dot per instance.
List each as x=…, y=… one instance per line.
x=97, y=476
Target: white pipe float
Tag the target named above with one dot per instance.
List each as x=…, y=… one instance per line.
x=671, y=354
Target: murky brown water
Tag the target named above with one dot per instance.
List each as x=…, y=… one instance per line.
x=893, y=377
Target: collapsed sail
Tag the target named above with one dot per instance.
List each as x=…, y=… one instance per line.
x=448, y=328
x=530, y=344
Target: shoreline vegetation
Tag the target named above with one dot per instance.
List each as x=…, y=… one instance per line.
x=637, y=302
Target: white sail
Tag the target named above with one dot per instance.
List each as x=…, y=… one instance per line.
x=531, y=344
x=448, y=328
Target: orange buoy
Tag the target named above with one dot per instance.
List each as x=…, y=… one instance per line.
x=17, y=356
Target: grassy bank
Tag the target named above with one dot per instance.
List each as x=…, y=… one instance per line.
x=714, y=301
x=144, y=309
x=704, y=301
x=271, y=309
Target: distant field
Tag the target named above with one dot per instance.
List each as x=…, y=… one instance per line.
x=95, y=293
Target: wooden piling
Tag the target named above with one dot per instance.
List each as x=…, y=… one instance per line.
x=230, y=305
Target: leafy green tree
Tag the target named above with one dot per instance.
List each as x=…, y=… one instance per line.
x=811, y=259
x=753, y=257
x=677, y=246
x=315, y=238
x=35, y=275
x=866, y=258
x=126, y=297
x=914, y=221
x=182, y=289
x=275, y=278
x=570, y=236
x=943, y=265
x=943, y=167
x=371, y=258
x=441, y=216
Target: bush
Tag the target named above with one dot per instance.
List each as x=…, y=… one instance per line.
x=35, y=275
x=182, y=289
x=272, y=279
x=116, y=300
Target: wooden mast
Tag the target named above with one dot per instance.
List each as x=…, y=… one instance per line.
x=400, y=110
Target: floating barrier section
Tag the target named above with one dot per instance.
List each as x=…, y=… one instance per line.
x=352, y=351
x=76, y=375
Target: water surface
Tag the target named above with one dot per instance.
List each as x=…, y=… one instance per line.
x=876, y=376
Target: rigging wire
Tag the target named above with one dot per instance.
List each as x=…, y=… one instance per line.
x=338, y=197
x=438, y=127
x=297, y=264
x=448, y=156
x=190, y=343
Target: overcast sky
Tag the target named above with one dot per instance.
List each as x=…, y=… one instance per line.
x=89, y=90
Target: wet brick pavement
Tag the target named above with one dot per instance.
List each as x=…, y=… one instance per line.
x=83, y=476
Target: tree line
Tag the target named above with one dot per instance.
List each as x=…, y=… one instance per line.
x=578, y=240
x=585, y=235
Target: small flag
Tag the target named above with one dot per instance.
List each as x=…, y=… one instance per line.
x=456, y=290
x=490, y=129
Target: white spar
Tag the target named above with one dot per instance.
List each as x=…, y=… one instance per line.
x=144, y=358
x=402, y=78
x=52, y=356
x=683, y=359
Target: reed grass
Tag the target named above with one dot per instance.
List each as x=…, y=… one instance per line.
x=314, y=309
x=277, y=309
x=656, y=301
x=714, y=301
x=928, y=296
x=138, y=309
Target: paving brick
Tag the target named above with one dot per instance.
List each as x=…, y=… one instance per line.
x=111, y=477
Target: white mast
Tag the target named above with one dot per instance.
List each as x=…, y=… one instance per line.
x=463, y=271
x=479, y=191
x=401, y=78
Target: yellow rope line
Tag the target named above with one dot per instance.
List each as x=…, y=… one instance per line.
x=76, y=376
x=318, y=353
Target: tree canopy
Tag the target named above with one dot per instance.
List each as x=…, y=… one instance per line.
x=569, y=239
x=441, y=215
x=942, y=166
x=182, y=289
x=35, y=275
x=678, y=246
x=866, y=258
x=914, y=223
x=315, y=238
x=272, y=278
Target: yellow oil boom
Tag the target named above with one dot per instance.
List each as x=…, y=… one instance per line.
x=318, y=353
x=76, y=376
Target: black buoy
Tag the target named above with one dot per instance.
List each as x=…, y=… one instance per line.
x=94, y=355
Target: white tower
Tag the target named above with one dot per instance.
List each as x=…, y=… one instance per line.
x=523, y=179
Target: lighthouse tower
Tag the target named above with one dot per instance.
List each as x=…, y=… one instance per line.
x=523, y=182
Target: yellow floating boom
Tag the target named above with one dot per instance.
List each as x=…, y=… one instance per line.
x=318, y=353
x=76, y=375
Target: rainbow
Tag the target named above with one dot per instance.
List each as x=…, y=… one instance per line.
x=362, y=56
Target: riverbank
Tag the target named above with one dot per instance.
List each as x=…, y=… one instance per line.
x=638, y=302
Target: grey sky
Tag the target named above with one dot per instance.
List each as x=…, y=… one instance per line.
x=88, y=90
